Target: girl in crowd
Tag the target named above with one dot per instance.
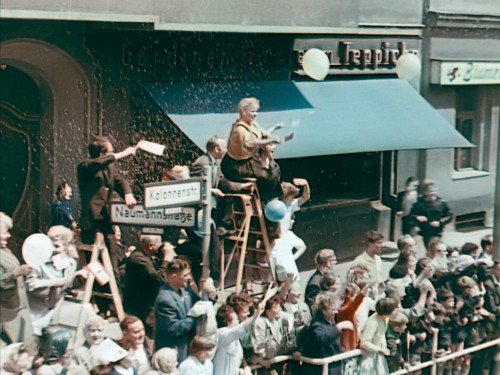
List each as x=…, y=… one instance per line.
x=62, y=211
x=86, y=354
x=199, y=362
x=47, y=282
x=373, y=341
x=165, y=361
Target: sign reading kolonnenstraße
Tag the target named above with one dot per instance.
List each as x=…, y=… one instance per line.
x=172, y=193
x=159, y=217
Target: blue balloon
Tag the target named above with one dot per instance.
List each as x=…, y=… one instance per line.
x=275, y=211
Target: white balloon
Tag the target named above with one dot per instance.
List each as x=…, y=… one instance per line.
x=316, y=64
x=37, y=249
x=408, y=66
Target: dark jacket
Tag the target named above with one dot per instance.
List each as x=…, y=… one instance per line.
x=492, y=297
x=396, y=343
x=97, y=179
x=433, y=211
x=218, y=179
x=62, y=213
x=321, y=341
x=143, y=279
x=313, y=288
x=174, y=328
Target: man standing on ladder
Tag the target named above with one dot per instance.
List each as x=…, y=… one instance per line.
x=97, y=180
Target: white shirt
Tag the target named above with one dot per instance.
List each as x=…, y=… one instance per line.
x=229, y=355
x=282, y=253
x=374, y=266
x=191, y=366
x=140, y=360
x=286, y=222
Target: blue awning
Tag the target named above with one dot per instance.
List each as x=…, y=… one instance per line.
x=327, y=117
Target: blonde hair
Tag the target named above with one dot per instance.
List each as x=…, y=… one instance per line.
x=247, y=103
x=66, y=237
x=322, y=256
x=5, y=223
x=398, y=319
x=165, y=360
x=95, y=321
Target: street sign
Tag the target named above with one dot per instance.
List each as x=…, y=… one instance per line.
x=172, y=193
x=159, y=217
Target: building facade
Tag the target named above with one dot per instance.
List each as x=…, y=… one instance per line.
x=173, y=73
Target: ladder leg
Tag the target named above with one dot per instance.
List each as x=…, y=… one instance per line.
x=106, y=260
x=89, y=284
x=241, y=265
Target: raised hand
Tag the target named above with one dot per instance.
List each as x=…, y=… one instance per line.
x=23, y=270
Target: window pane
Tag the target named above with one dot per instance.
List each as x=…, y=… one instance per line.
x=464, y=156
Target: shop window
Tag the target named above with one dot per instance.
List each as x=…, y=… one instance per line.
x=464, y=156
x=336, y=179
x=468, y=125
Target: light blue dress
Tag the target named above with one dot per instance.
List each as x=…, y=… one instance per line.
x=229, y=355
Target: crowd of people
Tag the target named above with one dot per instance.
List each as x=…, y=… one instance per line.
x=176, y=321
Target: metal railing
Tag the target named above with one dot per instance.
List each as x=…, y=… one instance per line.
x=324, y=362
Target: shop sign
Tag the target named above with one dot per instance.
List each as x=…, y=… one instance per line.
x=160, y=217
x=172, y=193
x=465, y=73
x=358, y=56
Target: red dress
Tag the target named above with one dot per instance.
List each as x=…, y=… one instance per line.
x=349, y=339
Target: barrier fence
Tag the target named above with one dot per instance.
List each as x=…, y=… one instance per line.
x=433, y=363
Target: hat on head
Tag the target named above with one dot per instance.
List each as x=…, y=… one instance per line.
x=178, y=172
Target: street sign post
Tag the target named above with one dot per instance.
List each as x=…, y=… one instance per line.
x=181, y=193
x=158, y=217
x=173, y=193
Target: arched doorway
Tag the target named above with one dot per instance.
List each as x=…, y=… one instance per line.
x=19, y=141
x=50, y=140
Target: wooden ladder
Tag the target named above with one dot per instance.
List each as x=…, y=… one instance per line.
x=250, y=244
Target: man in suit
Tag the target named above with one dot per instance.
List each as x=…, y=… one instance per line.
x=216, y=149
x=325, y=261
x=97, y=180
x=144, y=276
x=174, y=328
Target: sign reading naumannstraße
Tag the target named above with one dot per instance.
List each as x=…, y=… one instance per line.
x=158, y=217
x=172, y=193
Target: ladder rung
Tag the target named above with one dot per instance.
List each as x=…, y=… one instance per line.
x=255, y=232
x=256, y=249
x=101, y=294
x=234, y=238
x=257, y=266
x=240, y=213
